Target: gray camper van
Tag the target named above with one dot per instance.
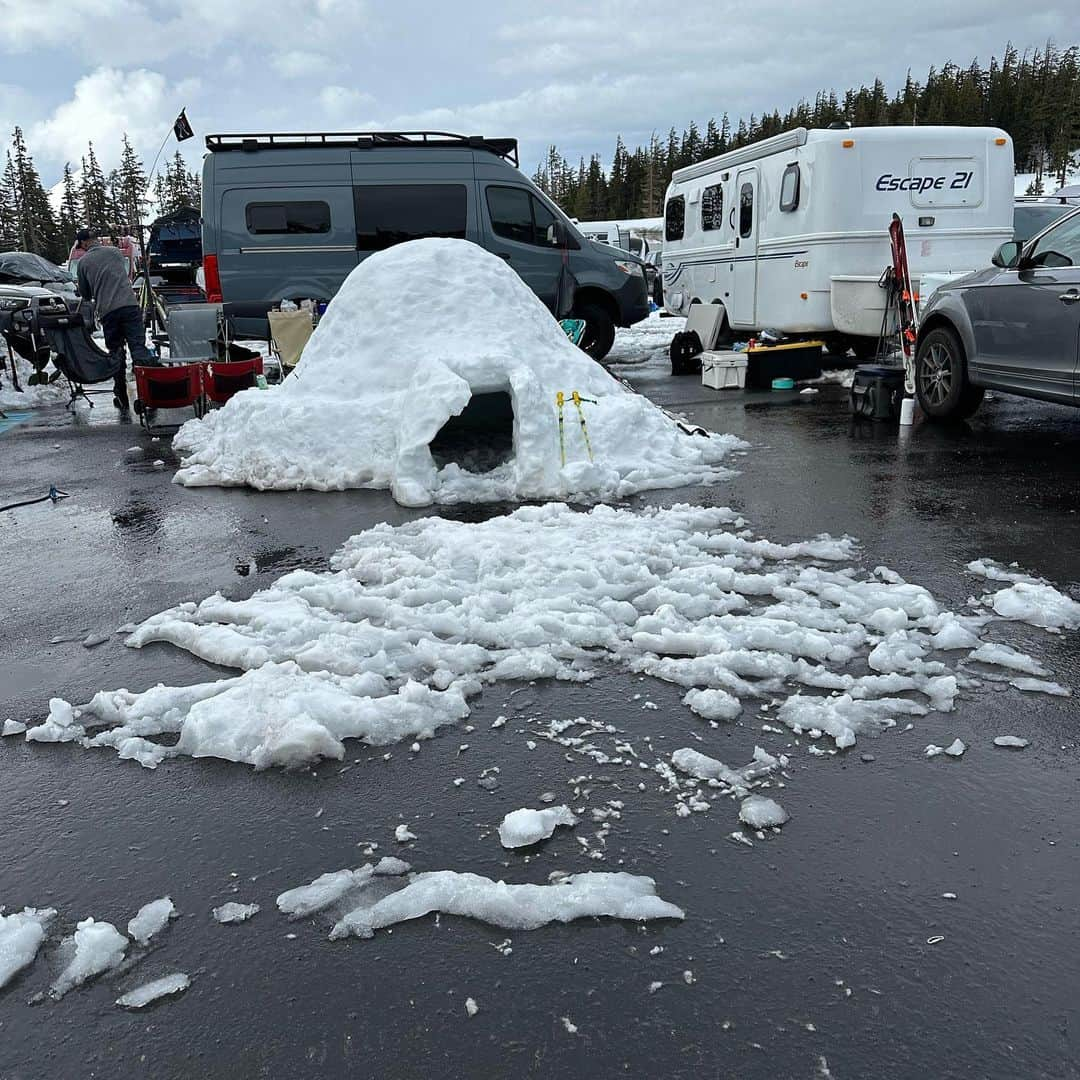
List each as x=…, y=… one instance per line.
x=289, y=216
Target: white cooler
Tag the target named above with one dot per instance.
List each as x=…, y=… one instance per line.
x=723, y=370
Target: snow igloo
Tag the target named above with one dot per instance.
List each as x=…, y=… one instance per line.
x=435, y=373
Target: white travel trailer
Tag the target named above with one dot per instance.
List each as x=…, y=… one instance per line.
x=792, y=232
x=639, y=235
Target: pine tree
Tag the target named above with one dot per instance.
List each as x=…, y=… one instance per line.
x=93, y=192
x=70, y=208
x=131, y=188
x=36, y=222
x=9, y=214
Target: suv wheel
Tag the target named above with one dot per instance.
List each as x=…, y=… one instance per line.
x=599, y=330
x=941, y=381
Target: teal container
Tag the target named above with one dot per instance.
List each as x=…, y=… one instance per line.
x=783, y=384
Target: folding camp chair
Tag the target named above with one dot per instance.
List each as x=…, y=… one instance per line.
x=289, y=333
x=222, y=380
x=178, y=386
x=195, y=331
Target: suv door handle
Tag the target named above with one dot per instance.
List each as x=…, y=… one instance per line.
x=1070, y=297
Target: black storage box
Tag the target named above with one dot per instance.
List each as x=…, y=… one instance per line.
x=798, y=360
x=877, y=391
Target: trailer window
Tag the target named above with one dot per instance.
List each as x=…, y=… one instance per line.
x=675, y=218
x=389, y=214
x=287, y=218
x=789, y=189
x=712, y=208
x=746, y=210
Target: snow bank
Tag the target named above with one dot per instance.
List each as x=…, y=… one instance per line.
x=96, y=947
x=21, y=935
x=413, y=621
x=399, y=352
x=524, y=827
x=151, y=919
x=29, y=397
x=153, y=991
x=512, y=907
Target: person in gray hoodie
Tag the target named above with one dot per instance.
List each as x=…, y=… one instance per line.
x=103, y=277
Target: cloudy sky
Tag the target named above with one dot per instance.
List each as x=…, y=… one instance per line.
x=570, y=73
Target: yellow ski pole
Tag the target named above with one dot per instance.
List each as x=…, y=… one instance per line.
x=559, y=399
x=578, y=399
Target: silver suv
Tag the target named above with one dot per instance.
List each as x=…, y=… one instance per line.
x=1013, y=327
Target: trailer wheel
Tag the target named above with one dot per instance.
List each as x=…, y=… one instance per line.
x=599, y=330
x=941, y=382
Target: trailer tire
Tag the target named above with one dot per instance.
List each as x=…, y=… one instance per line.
x=599, y=330
x=941, y=381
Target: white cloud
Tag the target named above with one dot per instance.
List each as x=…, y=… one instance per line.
x=105, y=104
x=344, y=103
x=300, y=64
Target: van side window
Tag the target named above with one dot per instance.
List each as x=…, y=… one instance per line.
x=712, y=208
x=746, y=210
x=287, y=218
x=675, y=218
x=789, y=188
x=389, y=214
x=517, y=215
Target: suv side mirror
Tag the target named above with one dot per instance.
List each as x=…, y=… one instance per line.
x=1007, y=256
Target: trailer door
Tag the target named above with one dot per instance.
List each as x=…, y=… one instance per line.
x=742, y=306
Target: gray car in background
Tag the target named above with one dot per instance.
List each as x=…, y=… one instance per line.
x=288, y=217
x=1013, y=327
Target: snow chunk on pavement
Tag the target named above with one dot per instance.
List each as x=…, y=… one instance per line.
x=150, y=919
x=524, y=827
x=402, y=834
x=1041, y=686
x=21, y=935
x=378, y=380
x=328, y=889
x=759, y=812
x=1006, y=656
x=512, y=907
x=1013, y=741
x=713, y=704
x=152, y=991
x=702, y=767
x=1038, y=604
x=96, y=947
x=13, y=727
x=235, y=913
x=994, y=571
x=956, y=748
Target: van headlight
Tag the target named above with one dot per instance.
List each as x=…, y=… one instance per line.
x=13, y=303
x=628, y=267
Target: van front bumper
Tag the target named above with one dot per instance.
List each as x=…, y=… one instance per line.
x=633, y=300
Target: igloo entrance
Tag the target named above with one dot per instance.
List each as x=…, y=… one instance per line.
x=481, y=437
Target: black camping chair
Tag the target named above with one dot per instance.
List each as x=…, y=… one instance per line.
x=78, y=357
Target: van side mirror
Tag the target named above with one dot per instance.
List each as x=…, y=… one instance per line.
x=556, y=234
x=1007, y=256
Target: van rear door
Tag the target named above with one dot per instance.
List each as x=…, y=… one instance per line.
x=284, y=242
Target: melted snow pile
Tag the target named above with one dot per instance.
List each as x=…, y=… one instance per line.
x=413, y=334
x=21, y=935
x=412, y=621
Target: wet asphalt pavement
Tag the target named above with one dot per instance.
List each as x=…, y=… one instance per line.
x=809, y=953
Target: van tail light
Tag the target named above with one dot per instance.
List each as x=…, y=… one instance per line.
x=213, y=280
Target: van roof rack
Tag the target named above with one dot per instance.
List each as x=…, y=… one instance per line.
x=364, y=140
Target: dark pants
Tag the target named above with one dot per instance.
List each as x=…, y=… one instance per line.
x=121, y=327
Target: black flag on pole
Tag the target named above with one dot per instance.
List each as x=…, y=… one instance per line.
x=182, y=127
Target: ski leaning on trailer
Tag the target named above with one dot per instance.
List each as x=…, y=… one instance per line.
x=907, y=303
